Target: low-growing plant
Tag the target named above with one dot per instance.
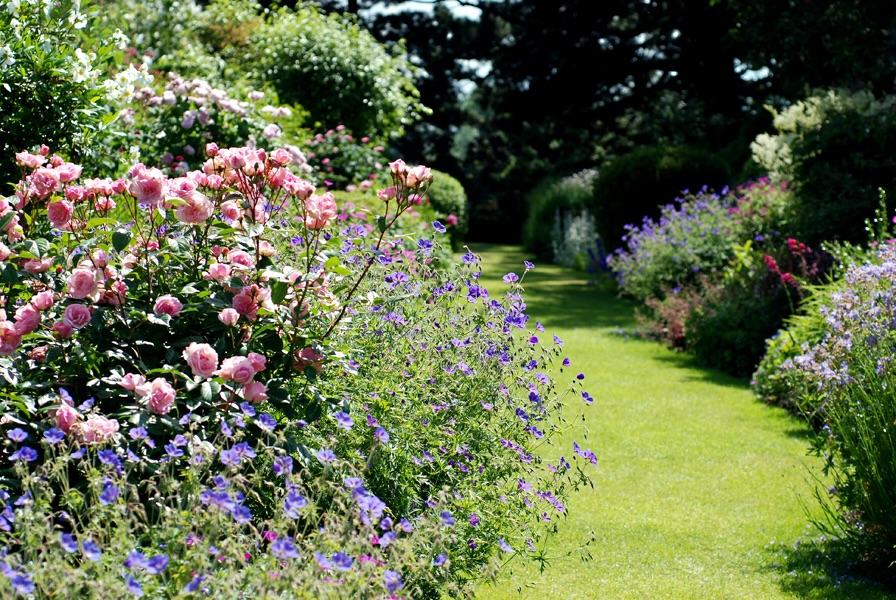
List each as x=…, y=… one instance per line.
x=575, y=242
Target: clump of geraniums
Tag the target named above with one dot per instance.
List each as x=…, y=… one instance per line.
x=149, y=298
x=426, y=472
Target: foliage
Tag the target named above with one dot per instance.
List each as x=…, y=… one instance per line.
x=449, y=200
x=336, y=70
x=575, y=242
x=635, y=185
x=850, y=374
x=761, y=287
x=49, y=88
x=697, y=235
x=172, y=119
x=837, y=150
x=567, y=195
x=341, y=160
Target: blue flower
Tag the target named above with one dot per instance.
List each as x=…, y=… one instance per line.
x=325, y=455
x=438, y=227
x=157, y=564
x=511, y=278
x=284, y=548
x=282, y=466
x=529, y=266
x=17, y=435
x=92, y=551
x=381, y=435
x=342, y=561
x=293, y=504
x=447, y=518
x=22, y=583
x=440, y=560
x=138, y=433
x=343, y=420
x=393, y=581
x=54, y=435
x=68, y=542
x=247, y=409
x=194, y=583
x=505, y=546
x=266, y=422
x=173, y=451
x=110, y=493
x=25, y=454
x=134, y=586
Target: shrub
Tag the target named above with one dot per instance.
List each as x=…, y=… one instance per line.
x=158, y=468
x=635, y=185
x=449, y=200
x=172, y=119
x=837, y=149
x=695, y=236
x=569, y=195
x=852, y=377
x=343, y=161
x=759, y=290
x=50, y=88
x=335, y=69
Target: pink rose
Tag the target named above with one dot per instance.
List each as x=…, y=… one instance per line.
x=9, y=338
x=147, y=185
x=238, y=369
x=66, y=416
x=307, y=357
x=104, y=204
x=35, y=265
x=229, y=317
x=259, y=362
x=68, y=172
x=281, y=156
x=132, y=381
x=82, y=283
x=241, y=258
x=196, y=209
x=230, y=210
x=62, y=330
x=255, y=392
x=218, y=272
x=418, y=176
x=202, y=358
x=5, y=252
x=452, y=220
x=44, y=182
x=399, y=170
x=298, y=188
x=27, y=319
x=42, y=300
x=167, y=305
x=31, y=161
x=319, y=210
x=97, y=429
x=161, y=396
x=76, y=316
x=211, y=149
x=245, y=305
x=60, y=213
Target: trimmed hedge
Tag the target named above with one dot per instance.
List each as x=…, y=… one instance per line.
x=550, y=197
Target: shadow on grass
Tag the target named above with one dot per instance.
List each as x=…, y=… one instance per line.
x=695, y=371
x=822, y=571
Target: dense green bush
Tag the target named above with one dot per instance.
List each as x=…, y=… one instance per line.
x=449, y=200
x=550, y=199
x=335, y=69
x=341, y=160
x=634, y=186
x=837, y=149
x=49, y=87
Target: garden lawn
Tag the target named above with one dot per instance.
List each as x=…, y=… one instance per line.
x=700, y=488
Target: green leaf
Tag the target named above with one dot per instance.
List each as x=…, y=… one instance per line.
x=205, y=390
x=120, y=240
x=278, y=291
x=99, y=221
x=5, y=219
x=43, y=246
x=381, y=224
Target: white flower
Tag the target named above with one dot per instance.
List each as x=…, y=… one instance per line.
x=7, y=57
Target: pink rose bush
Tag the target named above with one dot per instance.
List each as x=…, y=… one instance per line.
x=194, y=299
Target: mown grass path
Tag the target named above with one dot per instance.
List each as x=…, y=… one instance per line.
x=698, y=481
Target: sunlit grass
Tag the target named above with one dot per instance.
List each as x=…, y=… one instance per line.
x=700, y=486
